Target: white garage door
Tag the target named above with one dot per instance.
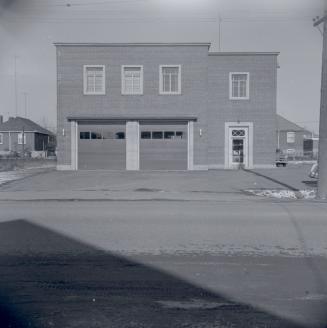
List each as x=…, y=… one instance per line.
x=163, y=147
x=102, y=147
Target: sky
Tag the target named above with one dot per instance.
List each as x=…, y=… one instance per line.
x=28, y=29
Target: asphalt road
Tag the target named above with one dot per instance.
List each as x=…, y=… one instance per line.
x=216, y=262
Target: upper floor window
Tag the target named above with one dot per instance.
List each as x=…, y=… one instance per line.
x=170, y=79
x=239, y=86
x=1, y=138
x=290, y=136
x=132, y=80
x=94, y=80
x=20, y=138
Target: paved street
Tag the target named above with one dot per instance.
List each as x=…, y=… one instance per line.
x=161, y=249
x=214, y=185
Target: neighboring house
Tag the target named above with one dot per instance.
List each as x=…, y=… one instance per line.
x=20, y=134
x=164, y=107
x=294, y=140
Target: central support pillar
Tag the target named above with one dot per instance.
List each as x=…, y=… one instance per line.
x=190, y=146
x=74, y=145
x=132, y=146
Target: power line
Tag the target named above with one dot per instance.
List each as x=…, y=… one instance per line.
x=81, y=4
x=102, y=3
x=153, y=19
x=15, y=84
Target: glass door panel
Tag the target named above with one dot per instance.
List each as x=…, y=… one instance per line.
x=238, y=151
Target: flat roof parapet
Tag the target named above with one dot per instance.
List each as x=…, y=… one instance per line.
x=165, y=44
x=145, y=44
x=244, y=53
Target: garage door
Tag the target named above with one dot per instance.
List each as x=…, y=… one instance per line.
x=102, y=147
x=163, y=147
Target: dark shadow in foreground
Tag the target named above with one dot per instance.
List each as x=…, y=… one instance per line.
x=50, y=280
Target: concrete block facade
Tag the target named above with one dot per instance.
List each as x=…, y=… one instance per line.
x=260, y=108
x=203, y=104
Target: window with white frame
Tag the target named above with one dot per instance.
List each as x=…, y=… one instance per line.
x=1, y=138
x=94, y=80
x=170, y=79
x=239, y=85
x=20, y=138
x=290, y=136
x=132, y=80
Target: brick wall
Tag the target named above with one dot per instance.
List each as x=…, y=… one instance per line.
x=260, y=108
x=14, y=142
x=72, y=102
x=205, y=94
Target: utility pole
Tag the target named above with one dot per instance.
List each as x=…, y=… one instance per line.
x=15, y=85
x=23, y=141
x=25, y=101
x=322, y=159
x=219, y=40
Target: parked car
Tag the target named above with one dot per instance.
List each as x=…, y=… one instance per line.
x=314, y=171
x=281, y=160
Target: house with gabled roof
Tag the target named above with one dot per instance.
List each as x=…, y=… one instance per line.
x=21, y=135
x=294, y=140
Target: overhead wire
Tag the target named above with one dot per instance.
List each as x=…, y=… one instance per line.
x=72, y=16
x=158, y=19
x=80, y=4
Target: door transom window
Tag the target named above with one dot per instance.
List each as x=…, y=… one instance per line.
x=238, y=133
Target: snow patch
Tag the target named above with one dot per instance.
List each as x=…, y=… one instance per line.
x=283, y=194
x=313, y=297
x=9, y=176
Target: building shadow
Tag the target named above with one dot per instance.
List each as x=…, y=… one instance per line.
x=311, y=183
x=51, y=280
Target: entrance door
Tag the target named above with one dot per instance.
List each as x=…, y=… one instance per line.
x=238, y=147
x=238, y=151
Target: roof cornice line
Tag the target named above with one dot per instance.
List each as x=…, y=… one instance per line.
x=132, y=118
x=135, y=44
x=20, y=131
x=244, y=53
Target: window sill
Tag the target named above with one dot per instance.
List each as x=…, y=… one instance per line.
x=132, y=94
x=170, y=93
x=245, y=98
x=94, y=94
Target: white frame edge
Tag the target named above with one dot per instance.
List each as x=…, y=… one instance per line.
x=293, y=133
x=23, y=140
x=249, y=125
x=74, y=145
x=247, y=86
x=134, y=163
x=85, y=92
x=123, y=81
x=190, y=145
x=179, y=92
